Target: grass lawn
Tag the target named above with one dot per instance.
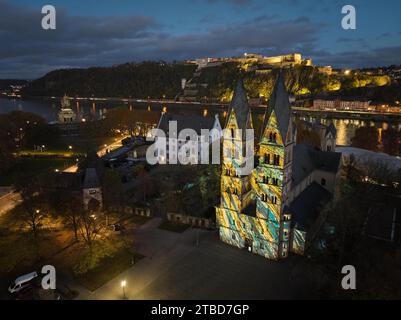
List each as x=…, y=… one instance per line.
x=108, y=268
x=28, y=166
x=174, y=227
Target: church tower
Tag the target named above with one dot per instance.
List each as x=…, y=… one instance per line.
x=236, y=191
x=272, y=177
x=253, y=213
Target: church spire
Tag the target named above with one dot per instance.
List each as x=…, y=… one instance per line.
x=239, y=104
x=279, y=103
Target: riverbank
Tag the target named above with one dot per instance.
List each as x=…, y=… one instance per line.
x=164, y=104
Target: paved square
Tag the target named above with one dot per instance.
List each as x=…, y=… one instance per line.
x=175, y=268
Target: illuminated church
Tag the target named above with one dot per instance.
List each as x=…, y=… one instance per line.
x=275, y=209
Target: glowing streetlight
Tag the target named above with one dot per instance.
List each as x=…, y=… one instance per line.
x=70, y=147
x=123, y=284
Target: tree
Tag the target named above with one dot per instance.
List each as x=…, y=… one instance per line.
x=391, y=142
x=34, y=207
x=71, y=207
x=145, y=184
x=112, y=189
x=366, y=138
x=87, y=227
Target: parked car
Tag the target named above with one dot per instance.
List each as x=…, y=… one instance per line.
x=22, y=282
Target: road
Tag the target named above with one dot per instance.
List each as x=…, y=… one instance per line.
x=8, y=201
x=101, y=152
x=176, y=268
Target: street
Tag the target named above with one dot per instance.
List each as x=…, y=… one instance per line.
x=8, y=200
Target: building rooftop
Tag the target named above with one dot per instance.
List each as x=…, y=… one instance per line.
x=331, y=129
x=194, y=122
x=307, y=159
x=91, y=179
x=306, y=207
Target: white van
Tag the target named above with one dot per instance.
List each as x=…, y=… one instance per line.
x=22, y=282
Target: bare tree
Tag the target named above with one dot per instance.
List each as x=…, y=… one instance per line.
x=34, y=208
x=87, y=227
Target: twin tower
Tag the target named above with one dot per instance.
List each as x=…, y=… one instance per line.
x=253, y=213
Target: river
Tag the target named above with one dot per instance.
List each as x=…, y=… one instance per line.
x=48, y=108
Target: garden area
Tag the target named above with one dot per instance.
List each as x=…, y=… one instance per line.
x=93, y=254
x=24, y=166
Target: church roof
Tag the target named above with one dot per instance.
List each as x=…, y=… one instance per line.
x=331, y=129
x=279, y=103
x=305, y=208
x=308, y=159
x=91, y=179
x=239, y=104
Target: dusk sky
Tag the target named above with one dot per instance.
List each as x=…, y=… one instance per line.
x=106, y=32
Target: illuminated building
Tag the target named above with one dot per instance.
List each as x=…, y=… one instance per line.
x=66, y=114
x=350, y=104
x=175, y=140
x=273, y=210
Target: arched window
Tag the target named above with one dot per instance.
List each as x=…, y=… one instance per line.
x=276, y=160
x=323, y=182
x=274, y=137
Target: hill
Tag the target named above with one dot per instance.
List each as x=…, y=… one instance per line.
x=141, y=80
x=216, y=83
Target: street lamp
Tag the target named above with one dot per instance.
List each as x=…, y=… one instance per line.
x=123, y=284
x=70, y=147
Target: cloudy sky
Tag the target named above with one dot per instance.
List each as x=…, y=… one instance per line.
x=107, y=32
